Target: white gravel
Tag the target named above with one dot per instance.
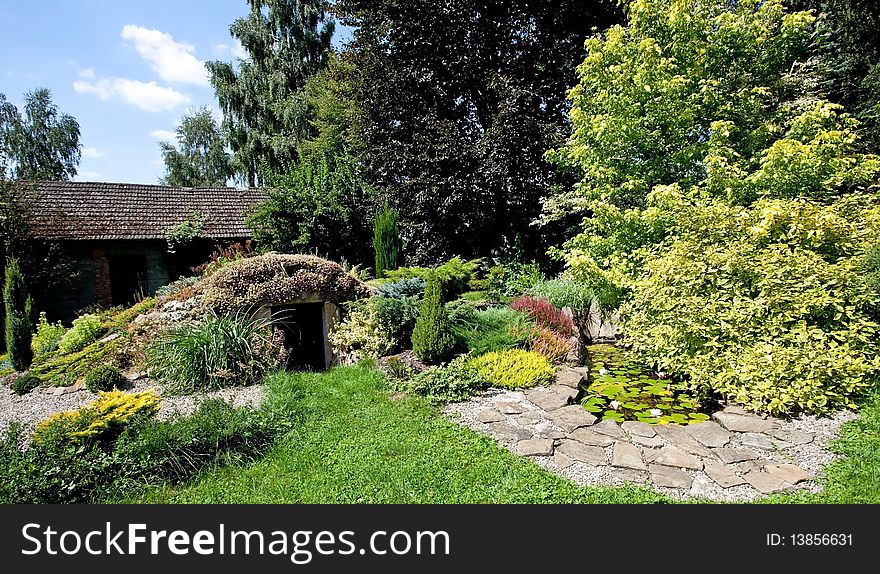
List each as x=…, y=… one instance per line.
x=35, y=406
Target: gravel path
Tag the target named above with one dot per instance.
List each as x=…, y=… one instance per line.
x=40, y=403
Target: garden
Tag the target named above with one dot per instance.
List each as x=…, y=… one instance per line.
x=690, y=312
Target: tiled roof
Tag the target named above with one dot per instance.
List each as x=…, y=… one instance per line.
x=95, y=210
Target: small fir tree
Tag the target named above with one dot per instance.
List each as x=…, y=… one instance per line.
x=19, y=318
x=386, y=241
x=432, y=337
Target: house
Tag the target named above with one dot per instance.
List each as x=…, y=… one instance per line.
x=117, y=236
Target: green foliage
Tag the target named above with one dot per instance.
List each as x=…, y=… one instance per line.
x=514, y=369
x=261, y=96
x=25, y=384
x=361, y=335
x=86, y=328
x=41, y=144
x=447, y=383
x=549, y=343
x=619, y=388
x=386, y=241
x=413, y=287
x=397, y=317
x=186, y=231
x=512, y=279
x=218, y=352
x=201, y=159
x=765, y=304
x=48, y=335
x=454, y=275
x=432, y=337
x=491, y=329
x=19, y=318
x=56, y=469
x=104, y=378
x=99, y=421
x=458, y=106
x=61, y=370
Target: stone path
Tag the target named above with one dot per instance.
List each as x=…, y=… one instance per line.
x=735, y=456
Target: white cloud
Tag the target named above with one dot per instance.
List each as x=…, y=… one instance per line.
x=224, y=50
x=175, y=62
x=148, y=96
x=93, y=152
x=163, y=135
x=88, y=73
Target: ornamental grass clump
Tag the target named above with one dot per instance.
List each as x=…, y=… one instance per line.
x=514, y=369
x=542, y=312
x=219, y=351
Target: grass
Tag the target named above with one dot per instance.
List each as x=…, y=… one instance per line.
x=358, y=443
x=854, y=478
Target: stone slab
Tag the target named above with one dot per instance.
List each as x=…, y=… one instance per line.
x=637, y=428
x=744, y=423
x=561, y=461
x=795, y=437
x=580, y=452
x=709, y=434
x=590, y=437
x=626, y=455
x=571, y=417
x=552, y=433
x=529, y=418
x=569, y=378
x=672, y=456
x=630, y=475
x=489, y=416
x=790, y=473
x=609, y=428
x=757, y=440
x=730, y=455
x=722, y=474
x=765, y=483
x=669, y=477
x=549, y=399
x=510, y=407
x=508, y=431
x=652, y=442
x=535, y=447
x=676, y=435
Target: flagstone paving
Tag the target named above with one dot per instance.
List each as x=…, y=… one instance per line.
x=735, y=456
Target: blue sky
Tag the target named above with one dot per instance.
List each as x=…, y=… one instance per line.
x=126, y=70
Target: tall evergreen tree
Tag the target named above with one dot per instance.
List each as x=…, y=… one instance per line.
x=287, y=42
x=19, y=317
x=386, y=241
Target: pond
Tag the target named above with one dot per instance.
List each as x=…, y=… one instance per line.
x=619, y=388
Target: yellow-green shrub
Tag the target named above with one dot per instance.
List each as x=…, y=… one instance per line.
x=105, y=416
x=514, y=368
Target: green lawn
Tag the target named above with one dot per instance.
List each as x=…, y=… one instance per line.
x=358, y=443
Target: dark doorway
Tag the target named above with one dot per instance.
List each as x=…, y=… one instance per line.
x=303, y=328
x=128, y=278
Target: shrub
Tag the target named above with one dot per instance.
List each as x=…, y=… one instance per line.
x=454, y=275
x=47, y=336
x=512, y=279
x=219, y=351
x=412, y=287
x=452, y=382
x=361, y=335
x=104, y=378
x=86, y=329
x=397, y=318
x=386, y=241
x=432, y=338
x=100, y=420
x=272, y=278
x=514, y=369
x=549, y=343
x=491, y=329
x=765, y=304
x=63, y=370
x=223, y=256
x=19, y=318
x=25, y=384
x=542, y=312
